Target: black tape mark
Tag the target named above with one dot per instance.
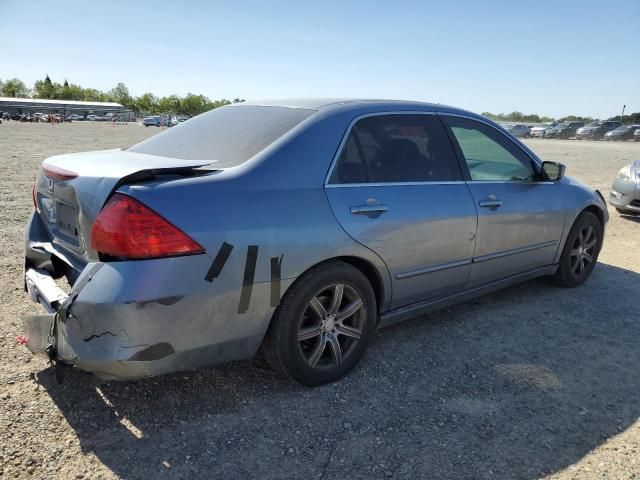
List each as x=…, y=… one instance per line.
x=247, y=281
x=276, y=275
x=218, y=262
x=154, y=352
x=166, y=301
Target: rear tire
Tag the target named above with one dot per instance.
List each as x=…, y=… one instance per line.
x=323, y=325
x=581, y=250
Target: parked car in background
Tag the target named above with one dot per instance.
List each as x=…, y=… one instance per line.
x=540, y=131
x=625, y=191
x=636, y=135
x=624, y=132
x=519, y=130
x=398, y=208
x=154, y=120
x=92, y=117
x=563, y=130
x=596, y=130
x=75, y=117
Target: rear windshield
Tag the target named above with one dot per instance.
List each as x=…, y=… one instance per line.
x=228, y=135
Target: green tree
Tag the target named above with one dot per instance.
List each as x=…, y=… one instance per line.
x=195, y=104
x=191, y=104
x=516, y=116
x=171, y=104
x=14, y=88
x=630, y=119
x=574, y=118
x=120, y=94
x=74, y=92
x=147, y=103
x=90, y=95
x=44, y=88
x=65, y=91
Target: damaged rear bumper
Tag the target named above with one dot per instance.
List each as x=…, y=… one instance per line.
x=133, y=319
x=60, y=336
x=123, y=325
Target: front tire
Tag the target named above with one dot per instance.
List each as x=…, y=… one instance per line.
x=580, y=252
x=323, y=325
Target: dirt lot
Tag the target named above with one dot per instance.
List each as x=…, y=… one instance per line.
x=529, y=382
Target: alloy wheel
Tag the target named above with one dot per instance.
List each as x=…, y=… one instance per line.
x=331, y=326
x=583, y=250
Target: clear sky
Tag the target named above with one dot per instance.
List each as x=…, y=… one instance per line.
x=554, y=57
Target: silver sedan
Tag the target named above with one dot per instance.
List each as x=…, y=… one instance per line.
x=294, y=228
x=625, y=191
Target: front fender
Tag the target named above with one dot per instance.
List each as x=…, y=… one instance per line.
x=579, y=197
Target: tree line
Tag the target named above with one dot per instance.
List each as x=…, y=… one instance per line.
x=533, y=118
x=190, y=104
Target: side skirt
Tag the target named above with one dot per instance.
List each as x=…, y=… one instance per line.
x=416, y=309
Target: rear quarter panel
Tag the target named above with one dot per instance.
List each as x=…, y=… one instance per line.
x=293, y=227
x=296, y=224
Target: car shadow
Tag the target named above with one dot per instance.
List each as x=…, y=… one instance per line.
x=631, y=218
x=516, y=384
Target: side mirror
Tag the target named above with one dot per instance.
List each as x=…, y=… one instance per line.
x=552, y=171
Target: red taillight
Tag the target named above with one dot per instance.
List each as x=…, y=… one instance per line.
x=57, y=173
x=127, y=228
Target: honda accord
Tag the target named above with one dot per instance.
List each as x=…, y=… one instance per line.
x=292, y=228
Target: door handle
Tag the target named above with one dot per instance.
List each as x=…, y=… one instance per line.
x=491, y=202
x=368, y=209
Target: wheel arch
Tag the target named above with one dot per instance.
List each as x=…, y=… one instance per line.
x=597, y=211
x=591, y=208
x=373, y=275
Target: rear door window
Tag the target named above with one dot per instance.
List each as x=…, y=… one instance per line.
x=396, y=148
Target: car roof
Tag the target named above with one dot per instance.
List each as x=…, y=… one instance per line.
x=352, y=103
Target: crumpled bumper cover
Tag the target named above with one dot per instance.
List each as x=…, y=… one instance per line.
x=126, y=320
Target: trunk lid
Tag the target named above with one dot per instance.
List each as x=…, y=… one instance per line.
x=69, y=207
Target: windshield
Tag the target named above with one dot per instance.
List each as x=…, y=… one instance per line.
x=624, y=128
x=228, y=135
x=594, y=124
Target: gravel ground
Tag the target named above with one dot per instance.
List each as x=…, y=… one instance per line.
x=534, y=381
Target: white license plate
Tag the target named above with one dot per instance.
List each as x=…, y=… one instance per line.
x=66, y=216
x=49, y=208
